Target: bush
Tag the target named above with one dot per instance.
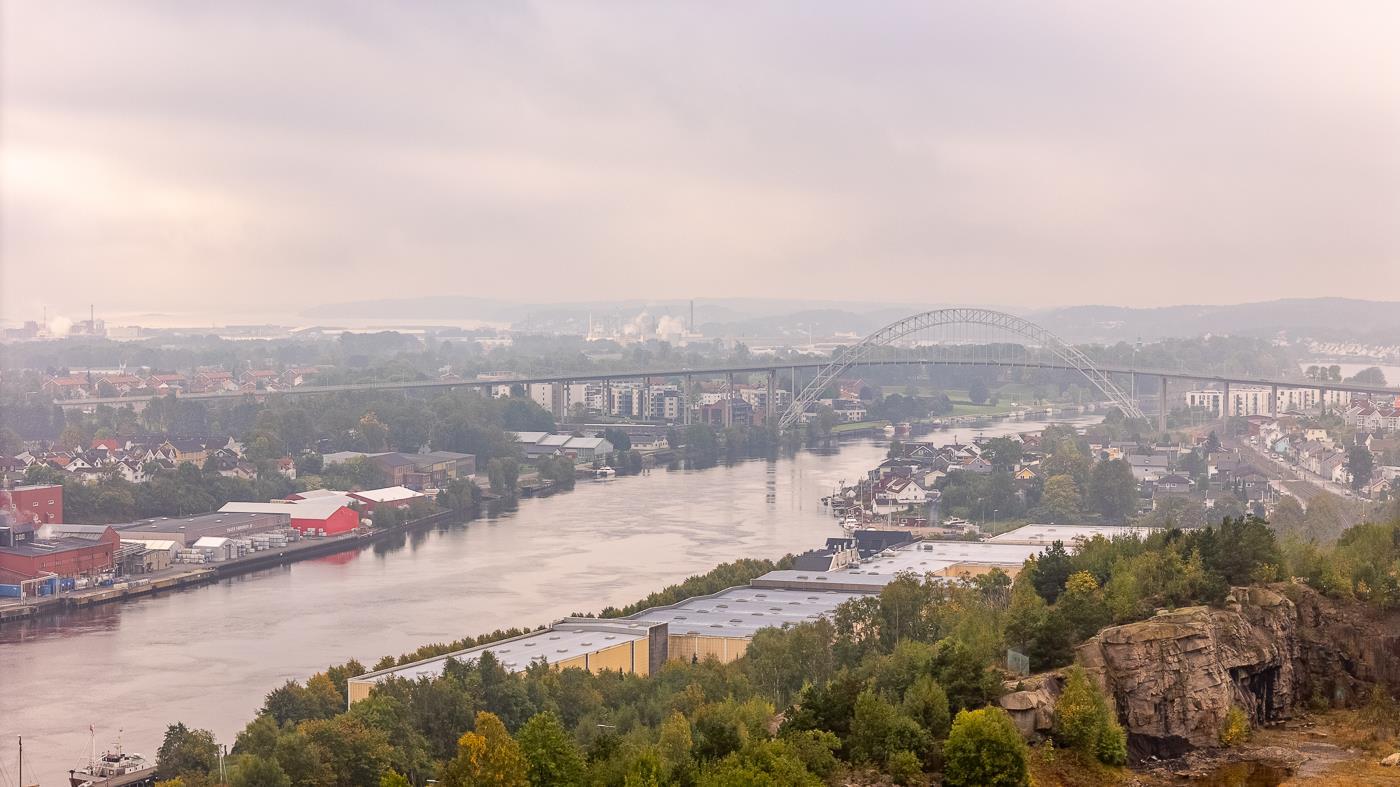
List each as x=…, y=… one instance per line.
x=1085, y=723
x=1235, y=730
x=984, y=749
x=904, y=768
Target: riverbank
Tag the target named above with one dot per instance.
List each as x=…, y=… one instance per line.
x=208, y=654
x=177, y=578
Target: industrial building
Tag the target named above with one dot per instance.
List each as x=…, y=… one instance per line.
x=156, y=554
x=388, y=497
x=584, y=643
x=324, y=516
x=64, y=554
x=428, y=470
x=185, y=531
x=721, y=625
x=1071, y=535
x=33, y=503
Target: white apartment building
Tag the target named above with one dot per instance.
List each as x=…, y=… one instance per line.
x=1254, y=399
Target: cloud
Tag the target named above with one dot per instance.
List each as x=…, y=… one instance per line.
x=264, y=156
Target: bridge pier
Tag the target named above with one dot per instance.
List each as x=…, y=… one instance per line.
x=1225, y=412
x=1162, y=406
x=772, y=392
x=1273, y=401
x=685, y=400
x=729, y=400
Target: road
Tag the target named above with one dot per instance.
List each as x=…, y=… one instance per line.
x=1297, y=481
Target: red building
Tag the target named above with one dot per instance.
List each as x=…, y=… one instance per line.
x=66, y=557
x=331, y=515
x=37, y=503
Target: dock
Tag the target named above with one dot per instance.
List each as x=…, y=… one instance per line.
x=179, y=578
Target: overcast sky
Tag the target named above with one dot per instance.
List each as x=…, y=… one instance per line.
x=241, y=157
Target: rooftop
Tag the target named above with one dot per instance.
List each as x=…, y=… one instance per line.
x=566, y=640
x=389, y=494
x=315, y=508
x=48, y=546
x=1044, y=535
x=741, y=611
x=221, y=523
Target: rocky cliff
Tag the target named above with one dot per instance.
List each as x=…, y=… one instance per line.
x=1175, y=676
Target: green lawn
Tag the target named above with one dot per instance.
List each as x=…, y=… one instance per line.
x=858, y=425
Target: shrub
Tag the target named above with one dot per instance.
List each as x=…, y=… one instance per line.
x=985, y=749
x=1085, y=723
x=1235, y=730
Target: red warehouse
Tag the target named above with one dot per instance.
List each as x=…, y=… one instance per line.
x=314, y=514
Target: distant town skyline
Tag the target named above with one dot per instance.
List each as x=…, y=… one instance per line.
x=260, y=158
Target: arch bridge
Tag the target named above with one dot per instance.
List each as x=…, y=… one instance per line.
x=953, y=327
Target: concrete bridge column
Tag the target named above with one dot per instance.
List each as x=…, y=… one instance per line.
x=685, y=400
x=1162, y=405
x=607, y=396
x=1225, y=412
x=729, y=400
x=772, y=392
x=1273, y=401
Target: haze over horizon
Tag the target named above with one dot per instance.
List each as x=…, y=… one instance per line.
x=163, y=157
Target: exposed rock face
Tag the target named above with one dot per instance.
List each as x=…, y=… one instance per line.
x=1175, y=677
x=1032, y=707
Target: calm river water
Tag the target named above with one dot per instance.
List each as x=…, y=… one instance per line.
x=207, y=656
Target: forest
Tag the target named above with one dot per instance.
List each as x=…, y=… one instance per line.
x=898, y=684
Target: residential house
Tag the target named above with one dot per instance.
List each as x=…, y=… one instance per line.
x=1171, y=485
x=895, y=494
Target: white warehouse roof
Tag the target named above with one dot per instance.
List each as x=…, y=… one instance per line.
x=741, y=611
x=389, y=494
x=1045, y=535
x=315, y=508
x=565, y=640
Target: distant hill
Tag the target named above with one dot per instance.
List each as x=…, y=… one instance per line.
x=1322, y=318
x=1329, y=318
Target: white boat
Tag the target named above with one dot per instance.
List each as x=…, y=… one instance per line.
x=604, y=474
x=850, y=524
x=112, y=764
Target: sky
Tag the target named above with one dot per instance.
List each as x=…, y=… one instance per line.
x=235, y=158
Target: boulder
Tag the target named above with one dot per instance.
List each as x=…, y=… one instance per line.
x=1175, y=676
x=1031, y=703
x=1392, y=760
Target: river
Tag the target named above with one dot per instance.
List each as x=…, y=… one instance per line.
x=208, y=655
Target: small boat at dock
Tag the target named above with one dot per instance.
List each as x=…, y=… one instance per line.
x=115, y=767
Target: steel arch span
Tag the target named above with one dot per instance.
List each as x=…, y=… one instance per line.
x=1010, y=323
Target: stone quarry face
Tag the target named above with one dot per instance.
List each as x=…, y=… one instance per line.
x=1175, y=676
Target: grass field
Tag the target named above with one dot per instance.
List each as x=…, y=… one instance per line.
x=962, y=405
x=858, y=425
